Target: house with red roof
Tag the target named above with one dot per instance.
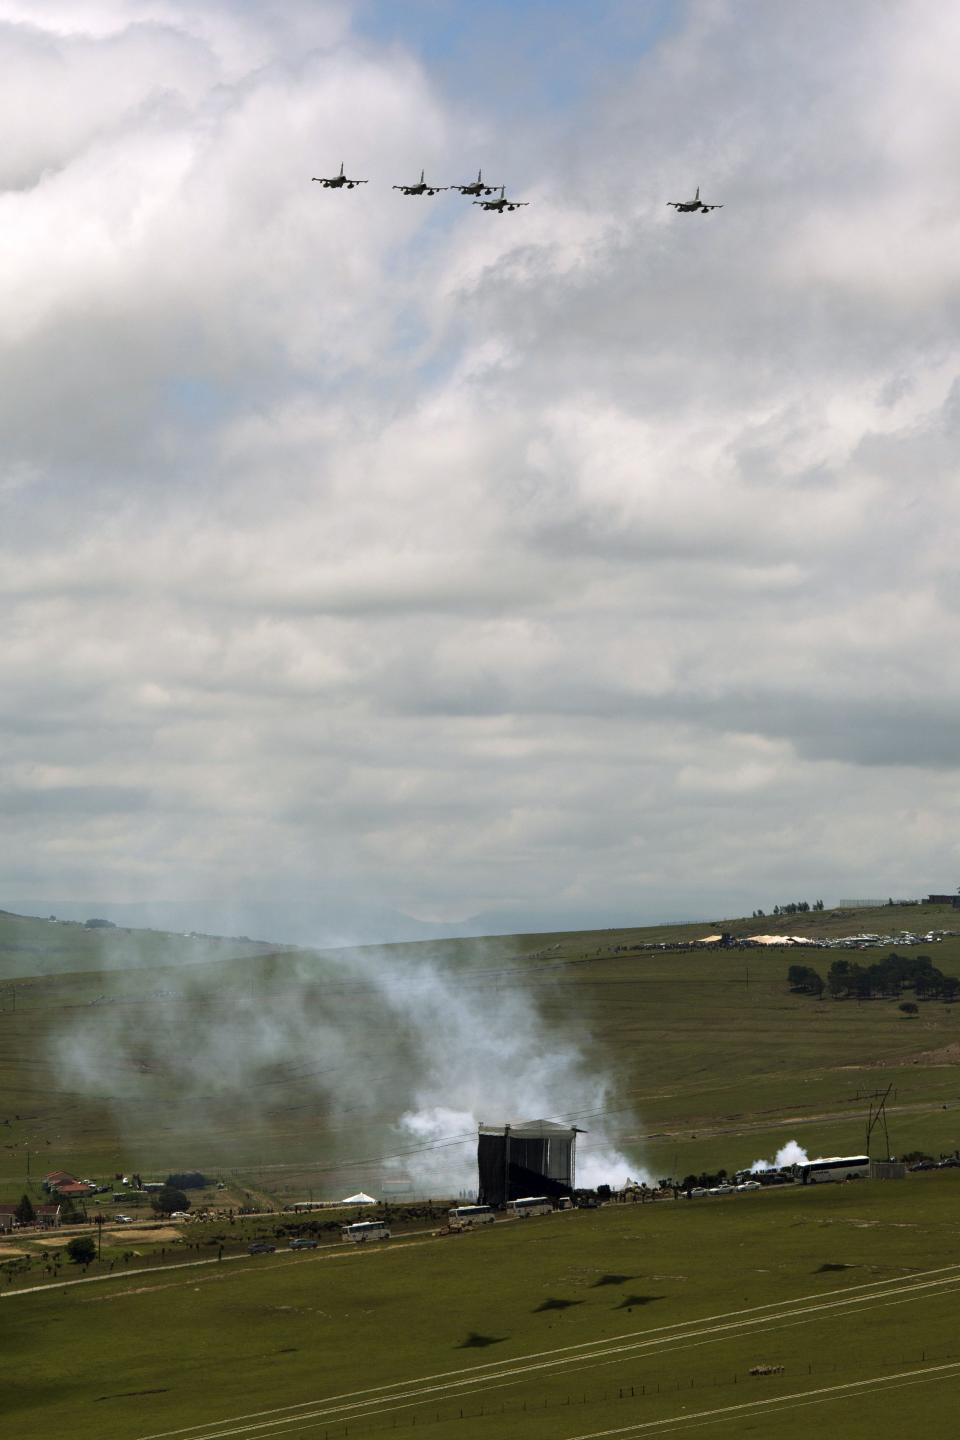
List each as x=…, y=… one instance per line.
x=56, y=1178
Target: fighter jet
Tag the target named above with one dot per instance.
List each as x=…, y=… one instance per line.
x=421, y=187
x=693, y=205
x=501, y=203
x=336, y=182
x=476, y=187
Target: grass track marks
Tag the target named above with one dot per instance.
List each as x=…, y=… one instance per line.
x=786, y=1402
x=384, y=1398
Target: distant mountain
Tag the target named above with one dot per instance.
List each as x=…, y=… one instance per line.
x=322, y=924
x=326, y=923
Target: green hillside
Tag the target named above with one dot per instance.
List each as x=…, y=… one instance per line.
x=287, y=1070
x=30, y=947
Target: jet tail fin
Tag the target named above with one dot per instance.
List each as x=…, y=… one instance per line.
x=697, y=196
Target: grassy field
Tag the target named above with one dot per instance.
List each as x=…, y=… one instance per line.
x=631, y=1319
x=710, y=1059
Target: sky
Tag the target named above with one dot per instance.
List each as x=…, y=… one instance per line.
x=389, y=563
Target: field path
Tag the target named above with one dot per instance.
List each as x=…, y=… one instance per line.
x=158, y=1271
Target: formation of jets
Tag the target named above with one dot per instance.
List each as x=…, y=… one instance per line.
x=480, y=188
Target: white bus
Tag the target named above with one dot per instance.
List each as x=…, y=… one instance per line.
x=364, y=1230
x=836, y=1167
x=465, y=1217
x=530, y=1205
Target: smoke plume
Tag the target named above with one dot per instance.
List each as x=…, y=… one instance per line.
x=364, y=1059
x=790, y=1154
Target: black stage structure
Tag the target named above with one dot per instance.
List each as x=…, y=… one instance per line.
x=535, y=1157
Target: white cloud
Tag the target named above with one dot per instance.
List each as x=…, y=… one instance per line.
x=587, y=556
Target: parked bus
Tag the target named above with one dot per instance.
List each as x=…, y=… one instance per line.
x=836, y=1167
x=364, y=1230
x=465, y=1217
x=530, y=1205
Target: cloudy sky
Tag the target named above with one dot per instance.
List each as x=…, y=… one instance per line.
x=385, y=556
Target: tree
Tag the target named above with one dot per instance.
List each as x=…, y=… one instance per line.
x=82, y=1249
x=25, y=1213
x=838, y=978
x=805, y=979
x=169, y=1199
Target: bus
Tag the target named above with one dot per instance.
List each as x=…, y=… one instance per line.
x=364, y=1230
x=465, y=1217
x=836, y=1167
x=530, y=1205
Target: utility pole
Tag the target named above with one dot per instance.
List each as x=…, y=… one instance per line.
x=877, y=1115
x=506, y=1163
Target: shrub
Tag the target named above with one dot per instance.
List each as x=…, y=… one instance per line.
x=82, y=1249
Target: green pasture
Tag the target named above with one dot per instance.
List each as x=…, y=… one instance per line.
x=144, y=1355
x=710, y=1060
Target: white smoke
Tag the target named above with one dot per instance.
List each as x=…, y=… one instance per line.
x=405, y=1056
x=487, y=1058
x=790, y=1154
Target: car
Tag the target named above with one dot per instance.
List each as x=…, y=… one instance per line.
x=749, y=1185
x=697, y=1191
x=123, y=1219
x=303, y=1242
x=260, y=1247
x=180, y=1215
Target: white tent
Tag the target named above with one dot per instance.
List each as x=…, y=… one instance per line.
x=359, y=1199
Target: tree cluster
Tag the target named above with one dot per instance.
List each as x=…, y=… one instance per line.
x=886, y=979
x=705, y=1180
x=169, y=1199
x=795, y=907
x=187, y=1180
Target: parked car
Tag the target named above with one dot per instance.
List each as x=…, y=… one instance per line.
x=749, y=1185
x=697, y=1191
x=123, y=1219
x=303, y=1242
x=260, y=1247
